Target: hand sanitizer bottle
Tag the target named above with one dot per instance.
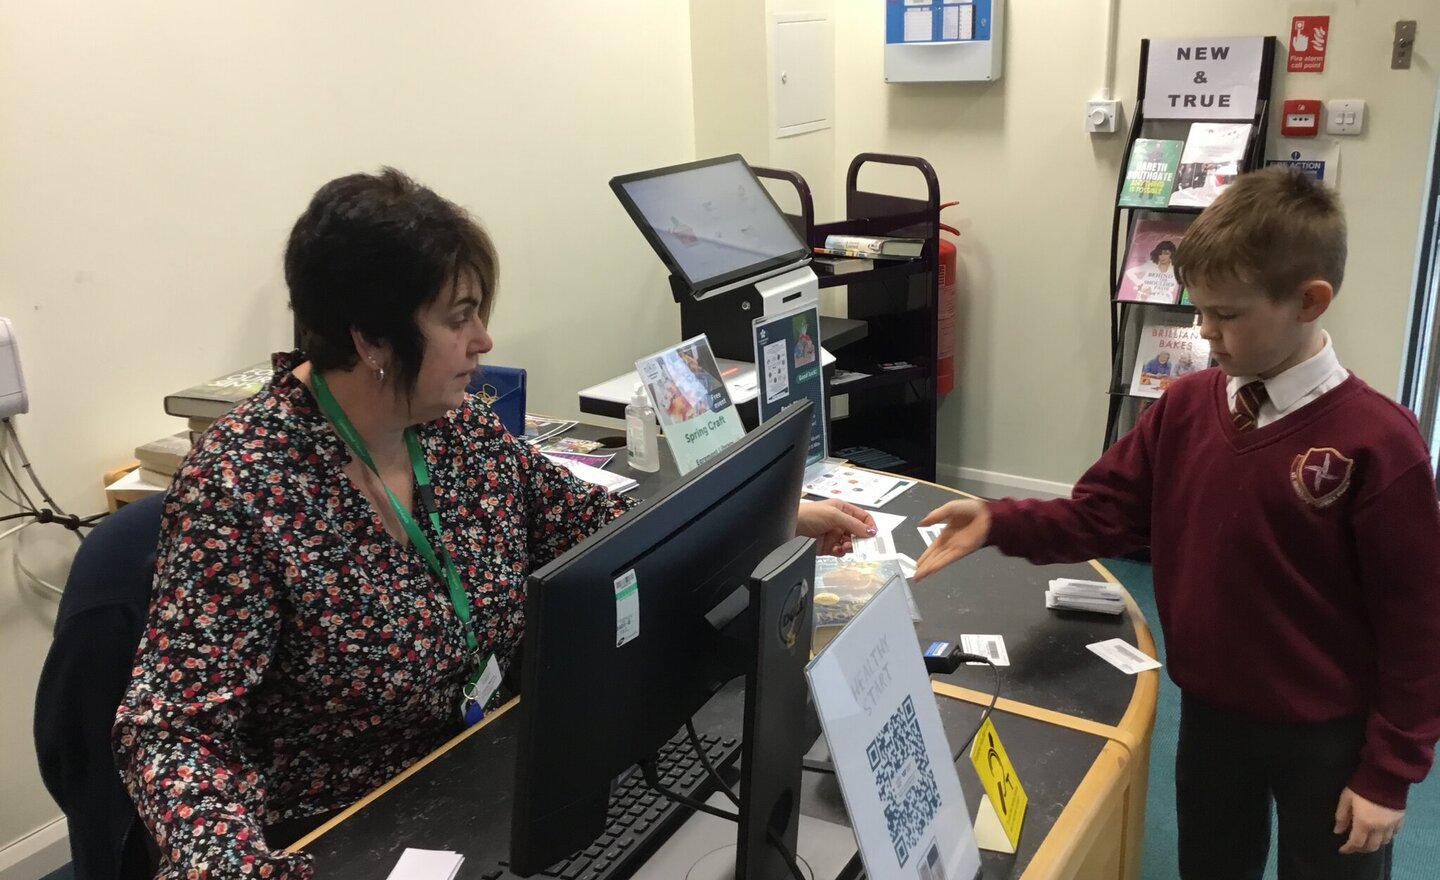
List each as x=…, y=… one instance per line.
x=642, y=436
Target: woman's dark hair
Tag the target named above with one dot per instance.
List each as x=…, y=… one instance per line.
x=1164, y=247
x=367, y=254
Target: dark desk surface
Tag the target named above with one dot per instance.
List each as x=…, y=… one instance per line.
x=1061, y=706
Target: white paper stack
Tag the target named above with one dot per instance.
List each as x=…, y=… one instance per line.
x=427, y=864
x=614, y=483
x=1072, y=595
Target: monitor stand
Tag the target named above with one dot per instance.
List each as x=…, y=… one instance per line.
x=704, y=849
x=777, y=630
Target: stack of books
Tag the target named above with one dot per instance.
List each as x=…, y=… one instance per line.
x=871, y=247
x=160, y=459
x=1069, y=594
x=200, y=405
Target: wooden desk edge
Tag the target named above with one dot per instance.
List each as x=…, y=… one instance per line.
x=1078, y=825
x=405, y=774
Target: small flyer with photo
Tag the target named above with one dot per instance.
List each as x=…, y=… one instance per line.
x=1213, y=155
x=787, y=351
x=691, y=403
x=1170, y=347
x=1149, y=273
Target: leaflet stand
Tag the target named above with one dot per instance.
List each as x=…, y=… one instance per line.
x=1127, y=318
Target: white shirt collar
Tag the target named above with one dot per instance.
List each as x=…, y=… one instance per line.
x=1286, y=389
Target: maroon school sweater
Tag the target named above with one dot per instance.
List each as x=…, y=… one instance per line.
x=1297, y=566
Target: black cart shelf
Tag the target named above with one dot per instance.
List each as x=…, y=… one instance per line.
x=891, y=316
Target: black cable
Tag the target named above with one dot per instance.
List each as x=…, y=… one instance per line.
x=791, y=860
x=68, y=520
x=705, y=760
x=653, y=779
x=994, y=698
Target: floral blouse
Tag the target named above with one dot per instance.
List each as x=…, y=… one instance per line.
x=296, y=655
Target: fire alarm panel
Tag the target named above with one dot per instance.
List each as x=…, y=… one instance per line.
x=1300, y=118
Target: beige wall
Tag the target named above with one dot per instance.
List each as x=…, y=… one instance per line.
x=1035, y=191
x=154, y=155
x=734, y=102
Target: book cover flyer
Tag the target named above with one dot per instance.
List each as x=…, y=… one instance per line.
x=1149, y=273
x=691, y=402
x=1170, y=347
x=1150, y=176
x=787, y=356
x=1213, y=155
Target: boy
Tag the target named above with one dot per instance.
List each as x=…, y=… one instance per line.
x=1291, y=514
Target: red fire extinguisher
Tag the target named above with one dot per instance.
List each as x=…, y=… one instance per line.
x=945, y=351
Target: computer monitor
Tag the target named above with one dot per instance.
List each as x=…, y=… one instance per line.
x=609, y=674
x=711, y=222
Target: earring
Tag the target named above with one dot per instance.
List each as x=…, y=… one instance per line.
x=379, y=370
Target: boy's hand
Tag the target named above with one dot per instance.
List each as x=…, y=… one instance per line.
x=1371, y=825
x=967, y=525
x=832, y=523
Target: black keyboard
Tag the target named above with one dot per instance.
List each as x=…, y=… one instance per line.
x=640, y=819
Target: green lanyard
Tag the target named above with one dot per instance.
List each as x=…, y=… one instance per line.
x=446, y=571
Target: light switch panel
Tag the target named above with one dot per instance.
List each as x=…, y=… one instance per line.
x=1345, y=116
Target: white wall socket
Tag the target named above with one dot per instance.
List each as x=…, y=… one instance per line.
x=1344, y=116
x=1102, y=117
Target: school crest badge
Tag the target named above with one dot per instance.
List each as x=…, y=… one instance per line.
x=1321, y=476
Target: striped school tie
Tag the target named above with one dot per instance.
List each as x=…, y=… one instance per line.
x=1248, y=400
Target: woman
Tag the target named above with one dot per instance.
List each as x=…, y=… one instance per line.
x=343, y=556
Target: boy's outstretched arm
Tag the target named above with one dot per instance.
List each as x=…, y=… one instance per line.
x=1108, y=513
x=967, y=527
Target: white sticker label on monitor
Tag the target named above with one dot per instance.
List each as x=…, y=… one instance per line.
x=627, y=608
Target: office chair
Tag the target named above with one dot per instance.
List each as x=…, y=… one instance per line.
x=97, y=629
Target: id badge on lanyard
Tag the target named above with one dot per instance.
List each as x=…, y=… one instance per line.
x=484, y=678
x=478, y=690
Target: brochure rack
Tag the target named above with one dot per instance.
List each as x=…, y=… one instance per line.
x=1126, y=318
x=891, y=317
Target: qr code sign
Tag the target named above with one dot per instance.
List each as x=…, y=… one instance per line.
x=904, y=779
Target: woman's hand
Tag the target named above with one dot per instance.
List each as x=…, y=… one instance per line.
x=832, y=523
x=967, y=525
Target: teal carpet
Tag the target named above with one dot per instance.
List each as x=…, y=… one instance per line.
x=1417, y=849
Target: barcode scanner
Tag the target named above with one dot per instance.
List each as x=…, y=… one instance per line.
x=945, y=657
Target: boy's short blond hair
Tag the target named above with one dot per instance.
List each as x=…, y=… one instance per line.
x=1276, y=229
